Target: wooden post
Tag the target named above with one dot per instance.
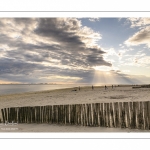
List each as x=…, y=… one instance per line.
x=64, y=110
x=134, y=115
x=27, y=115
x=20, y=119
x=19, y=115
x=86, y=115
x=83, y=114
x=102, y=115
x=71, y=114
x=59, y=114
x=50, y=107
x=36, y=119
x=144, y=115
x=92, y=119
x=37, y=113
x=47, y=114
x=140, y=115
x=17, y=109
x=54, y=113
x=96, y=114
x=131, y=115
x=67, y=114
x=123, y=123
x=75, y=114
x=114, y=115
x=120, y=113
x=6, y=119
x=127, y=114
x=15, y=114
x=42, y=114
x=148, y=114
x=33, y=115
x=22, y=114
x=106, y=115
x=54, y=116
x=47, y=110
x=9, y=115
x=93, y=114
x=30, y=114
x=110, y=116
x=98, y=111
x=79, y=114
x=3, y=115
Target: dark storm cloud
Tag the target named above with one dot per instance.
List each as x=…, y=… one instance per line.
x=69, y=38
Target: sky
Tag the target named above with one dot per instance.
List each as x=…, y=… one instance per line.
x=75, y=50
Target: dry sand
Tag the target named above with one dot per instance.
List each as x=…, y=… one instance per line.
x=67, y=96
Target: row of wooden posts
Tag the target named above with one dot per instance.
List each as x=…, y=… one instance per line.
x=134, y=115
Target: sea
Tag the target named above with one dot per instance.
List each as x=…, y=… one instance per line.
x=22, y=88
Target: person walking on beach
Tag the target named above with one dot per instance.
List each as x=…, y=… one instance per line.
x=92, y=87
x=112, y=86
x=79, y=88
x=106, y=87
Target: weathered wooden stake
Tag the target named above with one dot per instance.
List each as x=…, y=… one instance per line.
x=114, y=115
x=3, y=115
x=117, y=114
x=148, y=114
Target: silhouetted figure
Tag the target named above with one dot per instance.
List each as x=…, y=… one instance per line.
x=112, y=86
x=92, y=87
x=79, y=88
x=106, y=87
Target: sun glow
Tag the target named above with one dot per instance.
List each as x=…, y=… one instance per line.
x=105, y=68
x=105, y=75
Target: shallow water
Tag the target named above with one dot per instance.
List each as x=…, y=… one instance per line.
x=9, y=89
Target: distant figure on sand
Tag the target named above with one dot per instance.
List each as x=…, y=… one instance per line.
x=92, y=87
x=112, y=86
x=106, y=87
x=79, y=88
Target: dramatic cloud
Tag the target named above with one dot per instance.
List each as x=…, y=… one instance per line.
x=139, y=22
x=33, y=47
x=141, y=37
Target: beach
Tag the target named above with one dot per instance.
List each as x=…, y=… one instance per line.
x=71, y=96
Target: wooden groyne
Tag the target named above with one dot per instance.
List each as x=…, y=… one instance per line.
x=141, y=86
x=134, y=115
